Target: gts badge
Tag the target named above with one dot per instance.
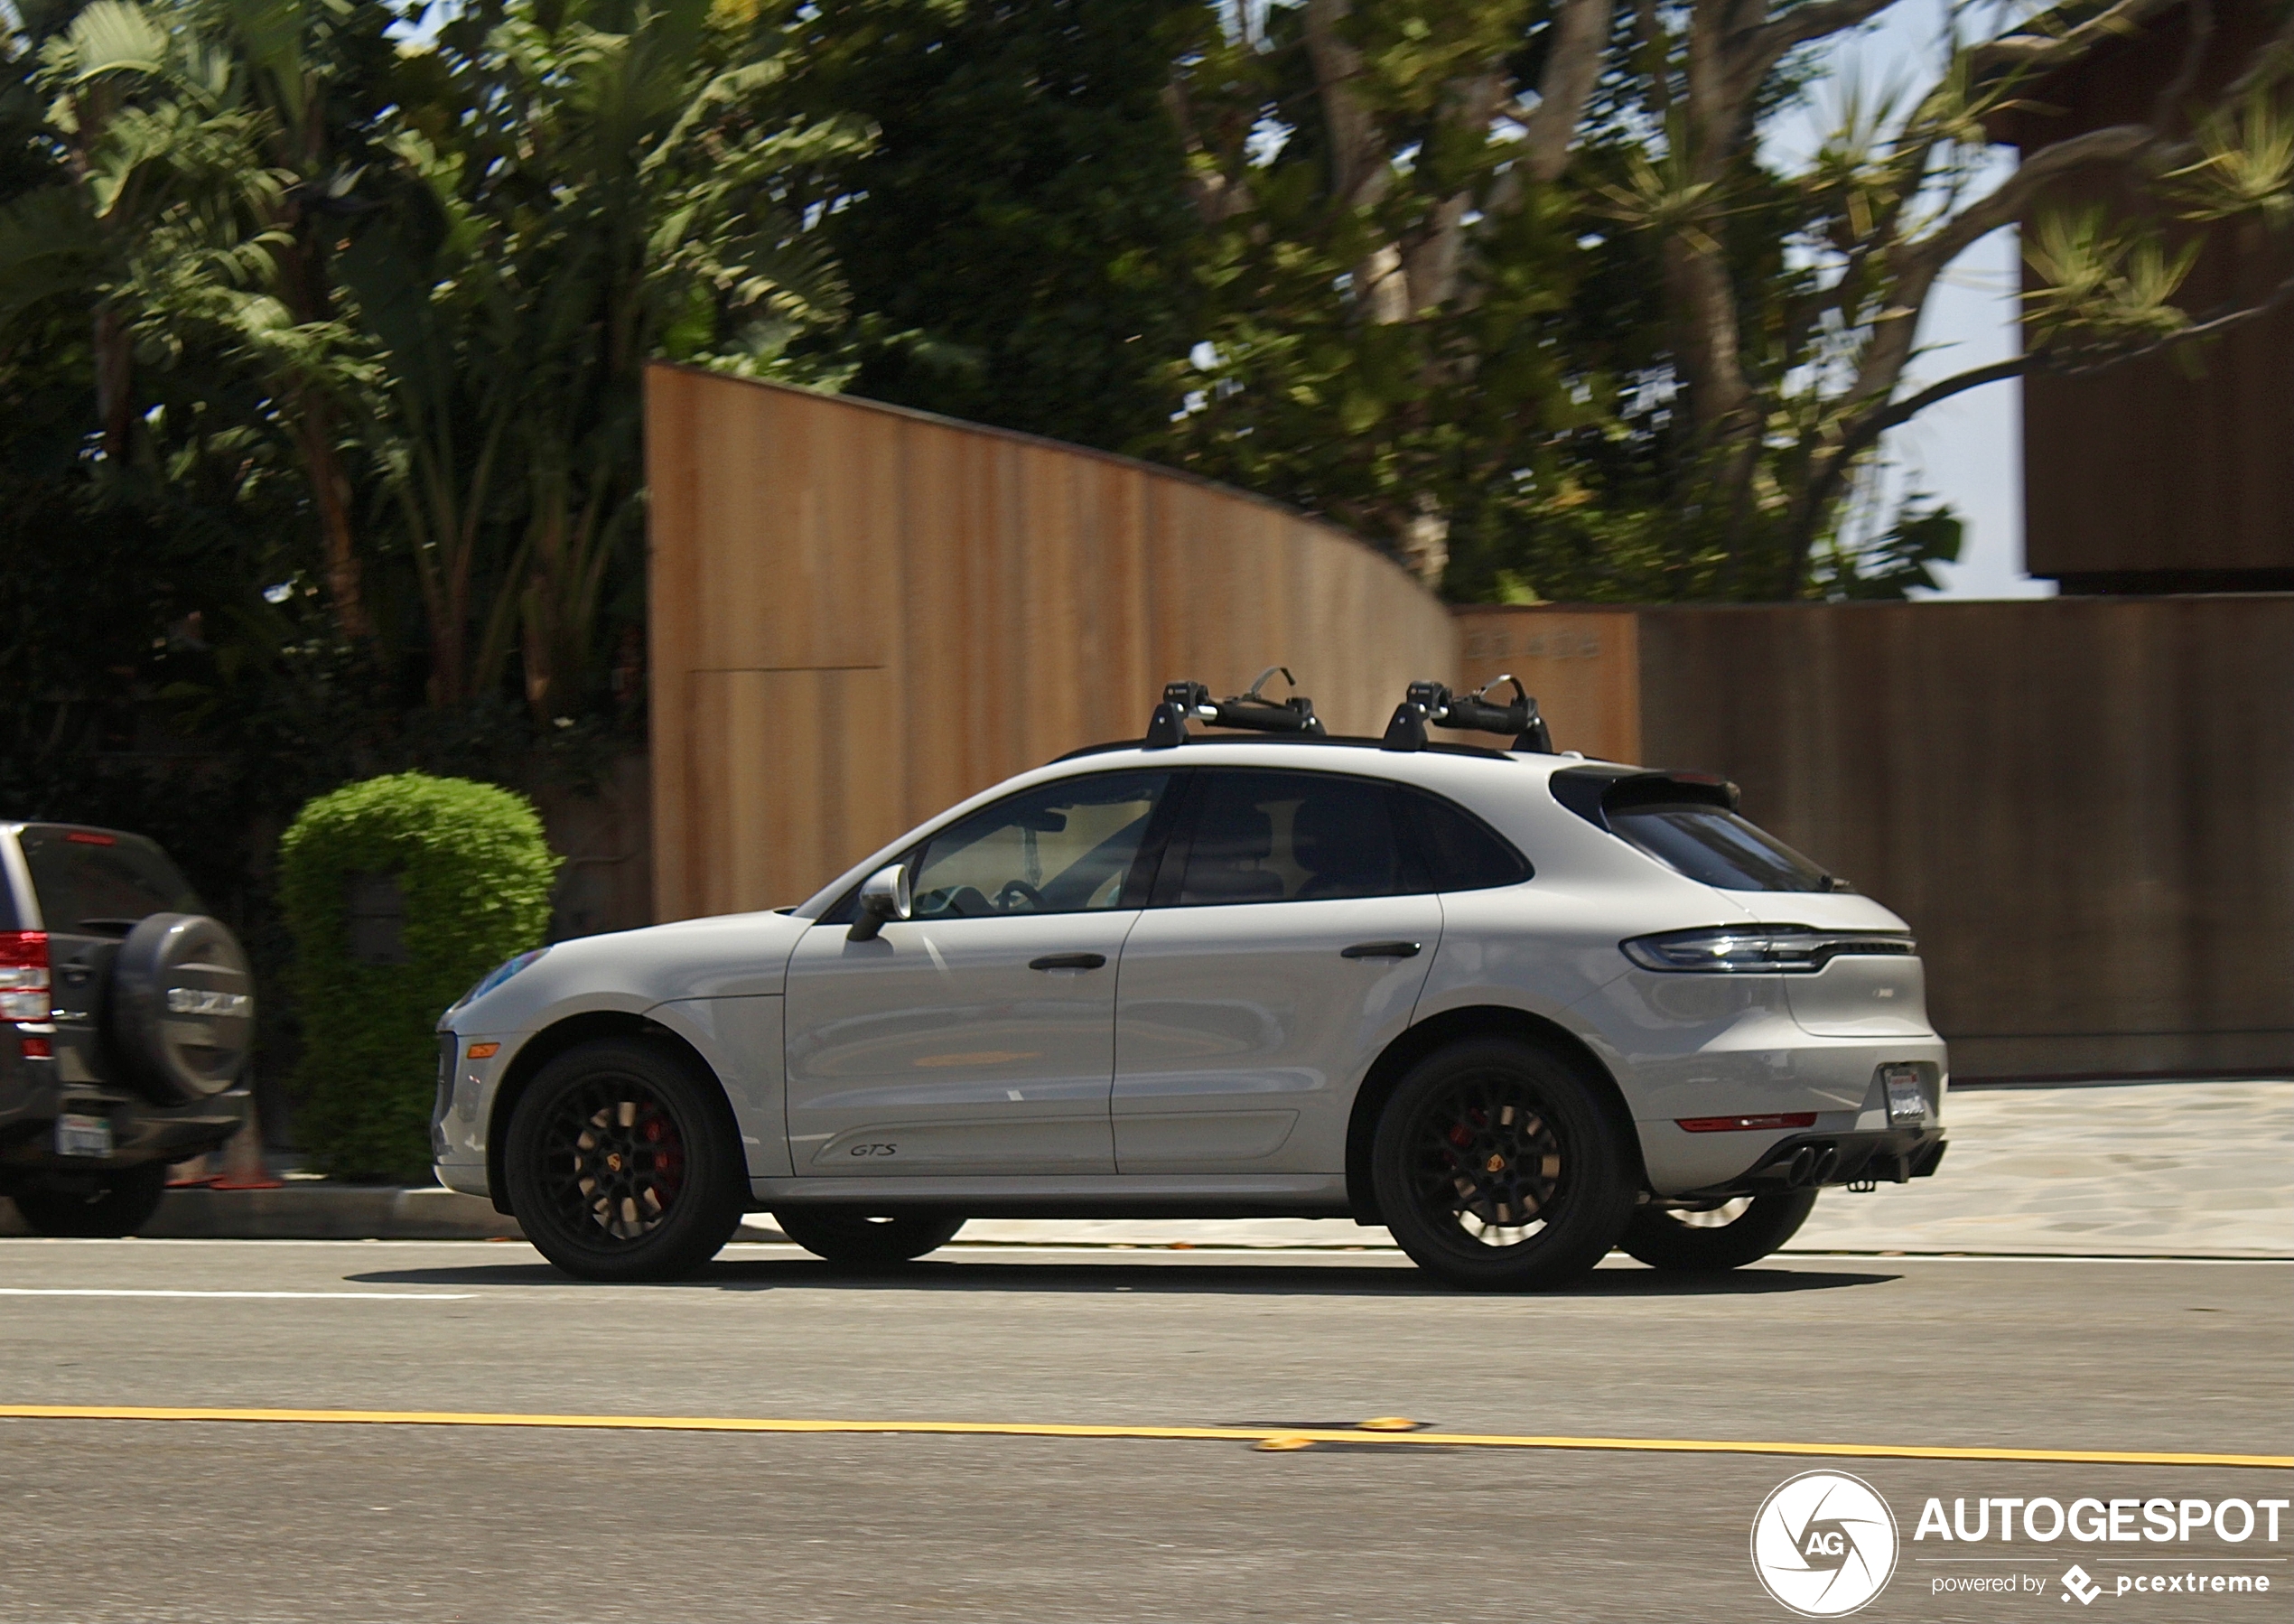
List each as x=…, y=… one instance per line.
x=875, y=1150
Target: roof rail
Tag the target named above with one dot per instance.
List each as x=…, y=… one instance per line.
x=1432, y=702
x=1249, y=710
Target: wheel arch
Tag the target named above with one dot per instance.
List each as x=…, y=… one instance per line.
x=1437, y=1031
x=544, y=1046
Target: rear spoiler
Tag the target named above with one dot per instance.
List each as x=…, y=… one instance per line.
x=1593, y=792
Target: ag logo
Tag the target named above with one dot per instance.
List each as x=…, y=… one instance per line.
x=1823, y=1543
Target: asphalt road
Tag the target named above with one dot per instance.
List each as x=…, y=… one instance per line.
x=193, y=1521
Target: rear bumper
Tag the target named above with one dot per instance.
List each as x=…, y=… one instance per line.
x=142, y=1132
x=1822, y=1161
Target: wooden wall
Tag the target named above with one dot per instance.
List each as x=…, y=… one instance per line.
x=860, y=614
x=2148, y=475
x=2084, y=807
x=1582, y=666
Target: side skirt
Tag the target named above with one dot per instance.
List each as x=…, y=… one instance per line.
x=1090, y=1196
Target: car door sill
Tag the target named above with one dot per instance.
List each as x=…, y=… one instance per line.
x=1082, y=1195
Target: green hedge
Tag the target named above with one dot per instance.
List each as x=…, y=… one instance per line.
x=474, y=872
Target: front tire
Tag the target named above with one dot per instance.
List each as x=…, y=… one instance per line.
x=1497, y=1168
x=1730, y=1237
x=101, y=1206
x=854, y=1240
x=625, y=1164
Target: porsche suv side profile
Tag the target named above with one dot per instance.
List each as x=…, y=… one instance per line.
x=1520, y=1008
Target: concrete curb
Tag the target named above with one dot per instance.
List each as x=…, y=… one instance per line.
x=314, y=1211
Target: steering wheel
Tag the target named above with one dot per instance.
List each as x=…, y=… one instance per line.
x=1024, y=891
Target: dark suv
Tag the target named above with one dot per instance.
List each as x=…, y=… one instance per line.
x=126, y=1016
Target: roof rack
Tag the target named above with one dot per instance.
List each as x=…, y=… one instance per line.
x=1432, y=702
x=1250, y=710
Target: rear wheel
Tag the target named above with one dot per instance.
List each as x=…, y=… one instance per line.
x=96, y=1205
x=854, y=1240
x=624, y=1164
x=1497, y=1168
x=1727, y=1237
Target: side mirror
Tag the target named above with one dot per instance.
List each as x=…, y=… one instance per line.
x=884, y=896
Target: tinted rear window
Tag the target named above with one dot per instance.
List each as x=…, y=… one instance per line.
x=87, y=880
x=1718, y=847
x=1279, y=836
x=1460, y=851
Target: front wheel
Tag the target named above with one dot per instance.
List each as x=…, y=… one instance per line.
x=625, y=1164
x=1728, y=1237
x=1497, y=1169
x=100, y=1206
x=854, y=1240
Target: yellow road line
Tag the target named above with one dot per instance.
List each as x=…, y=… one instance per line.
x=1231, y=1434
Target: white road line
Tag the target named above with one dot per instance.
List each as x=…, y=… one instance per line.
x=87, y=1291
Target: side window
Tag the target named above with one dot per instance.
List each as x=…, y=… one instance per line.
x=1063, y=848
x=1460, y=851
x=1290, y=837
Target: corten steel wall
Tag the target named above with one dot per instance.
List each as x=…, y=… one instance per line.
x=860, y=614
x=2084, y=806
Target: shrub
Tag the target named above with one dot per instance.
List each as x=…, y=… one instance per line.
x=471, y=873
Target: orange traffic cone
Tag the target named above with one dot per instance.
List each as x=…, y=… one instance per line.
x=243, y=1166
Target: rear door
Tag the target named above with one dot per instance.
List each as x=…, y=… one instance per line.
x=1291, y=933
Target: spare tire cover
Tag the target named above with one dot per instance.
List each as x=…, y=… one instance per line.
x=182, y=1005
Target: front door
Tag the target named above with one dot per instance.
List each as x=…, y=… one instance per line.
x=977, y=1037
x=1297, y=935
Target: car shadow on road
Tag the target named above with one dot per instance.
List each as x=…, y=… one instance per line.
x=1196, y=1273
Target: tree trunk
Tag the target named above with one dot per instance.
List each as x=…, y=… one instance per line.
x=331, y=497
x=115, y=384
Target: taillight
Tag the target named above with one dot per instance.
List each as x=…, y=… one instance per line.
x=24, y=975
x=1770, y=948
x=1738, y=1124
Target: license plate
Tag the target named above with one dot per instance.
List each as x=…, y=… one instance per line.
x=1906, y=1102
x=83, y=1135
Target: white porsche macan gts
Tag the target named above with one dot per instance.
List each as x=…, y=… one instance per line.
x=1518, y=1007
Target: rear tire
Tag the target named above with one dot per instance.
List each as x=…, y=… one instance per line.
x=856, y=1241
x=1677, y=1241
x=101, y=1206
x=1497, y=1168
x=625, y=1164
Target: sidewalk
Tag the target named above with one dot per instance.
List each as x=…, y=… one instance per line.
x=2169, y=1170
x=2147, y=1169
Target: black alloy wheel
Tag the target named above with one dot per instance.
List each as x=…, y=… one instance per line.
x=1728, y=1235
x=854, y=1240
x=1497, y=1168
x=95, y=1206
x=625, y=1165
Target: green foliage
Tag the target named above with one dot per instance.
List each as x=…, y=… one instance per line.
x=1017, y=234
x=475, y=874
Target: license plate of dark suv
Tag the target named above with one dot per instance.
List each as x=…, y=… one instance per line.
x=79, y=1135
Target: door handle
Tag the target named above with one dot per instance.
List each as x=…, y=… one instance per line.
x=1380, y=950
x=1070, y=961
